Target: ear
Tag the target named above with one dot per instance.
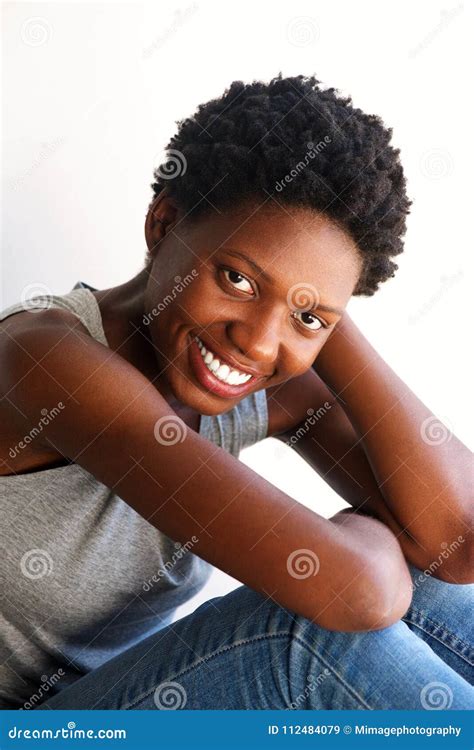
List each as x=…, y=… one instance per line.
x=161, y=216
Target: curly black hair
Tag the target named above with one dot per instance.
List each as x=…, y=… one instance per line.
x=295, y=143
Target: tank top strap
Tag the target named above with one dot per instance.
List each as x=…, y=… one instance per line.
x=80, y=301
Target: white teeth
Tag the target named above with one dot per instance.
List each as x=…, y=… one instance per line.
x=223, y=372
x=234, y=378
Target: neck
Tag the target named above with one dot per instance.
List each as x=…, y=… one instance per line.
x=122, y=309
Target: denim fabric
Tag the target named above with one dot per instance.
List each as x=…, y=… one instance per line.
x=243, y=651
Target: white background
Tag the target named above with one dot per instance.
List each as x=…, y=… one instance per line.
x=91, y=95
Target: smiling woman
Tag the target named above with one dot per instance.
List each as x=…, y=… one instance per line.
x=233, y=330
x=271, y=323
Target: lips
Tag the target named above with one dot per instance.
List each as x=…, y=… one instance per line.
x=210, y=382
x=226, y=358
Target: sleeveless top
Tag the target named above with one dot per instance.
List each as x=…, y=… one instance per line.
x=82, y=575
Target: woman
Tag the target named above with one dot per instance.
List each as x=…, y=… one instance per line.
x=126, y=409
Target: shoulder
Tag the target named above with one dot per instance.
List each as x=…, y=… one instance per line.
x=288, y=403
x=95, y=396
x=26, y=340
x=22, y=321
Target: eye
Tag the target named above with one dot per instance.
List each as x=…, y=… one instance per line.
x=312, y=323
x=235, y=278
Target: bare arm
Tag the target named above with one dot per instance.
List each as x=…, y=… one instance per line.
x=425, y=480
x=110, y=424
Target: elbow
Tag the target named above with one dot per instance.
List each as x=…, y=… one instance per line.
x=388, y=608
x=387, y=591
x=380, y=599
x=386, y=602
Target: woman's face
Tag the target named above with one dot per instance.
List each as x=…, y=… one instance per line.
x=261, y=288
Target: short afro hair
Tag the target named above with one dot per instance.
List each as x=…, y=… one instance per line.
x=295, y=143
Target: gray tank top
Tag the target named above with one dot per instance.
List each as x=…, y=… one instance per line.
x=82, y=575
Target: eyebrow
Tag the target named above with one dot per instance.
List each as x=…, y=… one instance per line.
x=267, y=277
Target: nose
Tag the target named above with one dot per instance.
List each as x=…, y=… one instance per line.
x=258, y=338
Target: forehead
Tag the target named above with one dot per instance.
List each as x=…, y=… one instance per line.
x=292, y=245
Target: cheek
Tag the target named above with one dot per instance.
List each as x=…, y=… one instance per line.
x=302, y=356
x=202, y=301
x=182, y=300
x=298, y=362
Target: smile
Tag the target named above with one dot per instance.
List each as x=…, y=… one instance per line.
x=221, y=370
x=216, y=375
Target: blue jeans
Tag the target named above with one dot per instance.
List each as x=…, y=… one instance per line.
x=243, y=651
